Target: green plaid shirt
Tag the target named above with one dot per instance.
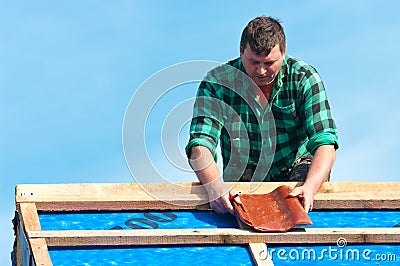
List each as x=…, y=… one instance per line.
x=261, y=144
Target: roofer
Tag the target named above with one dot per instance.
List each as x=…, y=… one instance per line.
x=271, y=115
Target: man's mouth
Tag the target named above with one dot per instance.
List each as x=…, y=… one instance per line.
x=264, y=77
x=264, y=80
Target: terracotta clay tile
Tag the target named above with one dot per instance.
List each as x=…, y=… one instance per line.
x=272, y=212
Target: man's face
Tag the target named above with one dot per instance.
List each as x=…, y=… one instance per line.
x=262, y=69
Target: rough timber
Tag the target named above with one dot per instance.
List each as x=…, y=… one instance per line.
x=33, y=242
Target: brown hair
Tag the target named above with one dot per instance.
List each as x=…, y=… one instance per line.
x=262, y=34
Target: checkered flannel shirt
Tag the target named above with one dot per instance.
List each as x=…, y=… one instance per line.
x=261, y=144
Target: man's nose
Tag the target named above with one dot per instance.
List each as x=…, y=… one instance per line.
x=261, y=70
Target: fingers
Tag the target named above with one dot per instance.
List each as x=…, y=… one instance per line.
x=296, y=192
x=222, y=205
x=234, y=196
x=307, y=204
x=306, y=198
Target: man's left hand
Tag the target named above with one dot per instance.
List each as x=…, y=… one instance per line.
x=320, y=169
x=305, y=195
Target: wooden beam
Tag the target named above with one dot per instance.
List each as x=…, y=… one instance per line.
x=113, y=192
x=104, y=205
x=215, y=236
x=29, y=216
x=174, y=196
x=164, y=191
x=75, y=197
x=374, y=187
x=359, y=203
x=260, y=255
x=40, y=252
x=366, y=202
x=258, y=251
x=29, y=221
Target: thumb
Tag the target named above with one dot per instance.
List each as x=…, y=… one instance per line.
x=307, y=205
x=235, y=196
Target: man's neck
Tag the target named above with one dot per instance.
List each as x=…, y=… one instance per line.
x=266, y=91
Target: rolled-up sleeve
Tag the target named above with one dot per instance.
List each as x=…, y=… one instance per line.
x=207, y=122
x=319, y=124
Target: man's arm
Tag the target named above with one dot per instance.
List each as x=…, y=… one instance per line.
x=321, y=131
x=202, y=162
x=320, y=168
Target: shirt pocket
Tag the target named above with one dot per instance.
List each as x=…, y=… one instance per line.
x=286, y=117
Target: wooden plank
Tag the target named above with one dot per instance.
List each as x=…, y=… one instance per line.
x=40, y=252
x=374, y=187
x=215, y=236
x=366, y=202
x=142, y=206
x=260, y=255
x=258, y=251
x=119, y=192
x=29, y=216
x=161, y=191
x=168, y=196
x=29, y=220
x=66, y=197
x=65, y=206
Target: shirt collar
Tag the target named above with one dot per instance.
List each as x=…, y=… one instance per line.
x=282, y=73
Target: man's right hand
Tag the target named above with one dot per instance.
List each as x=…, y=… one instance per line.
x=202, y=162
x=220, y=195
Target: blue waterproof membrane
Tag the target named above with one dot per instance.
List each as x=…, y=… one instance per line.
x=354, y=255
x=354, y=218
x=135, y=220
x=166, y=255
x=203, y=219
x=217, y=255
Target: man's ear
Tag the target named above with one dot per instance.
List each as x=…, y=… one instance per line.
x=241, y=50
x=284, y=51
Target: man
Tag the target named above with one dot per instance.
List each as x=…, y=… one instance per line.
x=270, y=126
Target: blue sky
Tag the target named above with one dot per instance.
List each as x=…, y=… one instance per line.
x=68, y=70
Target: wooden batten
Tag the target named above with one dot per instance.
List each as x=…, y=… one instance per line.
x=258, y=251
x=260, y=255
x=220, y=236
x=40, y=252
x=133, y=191
x=29, y=216
x=184, y=196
